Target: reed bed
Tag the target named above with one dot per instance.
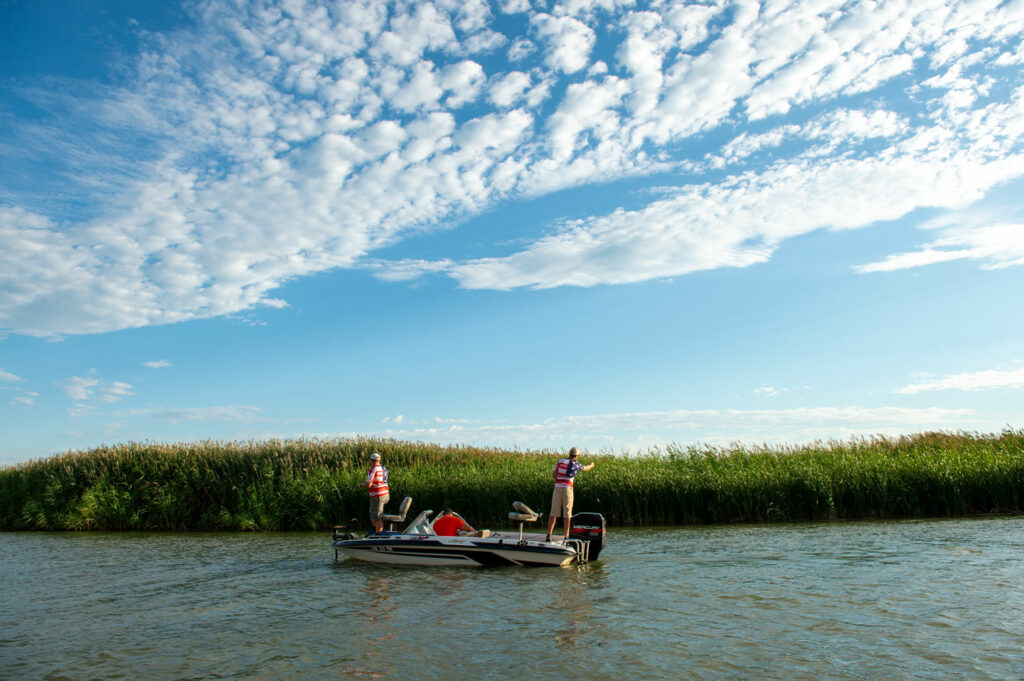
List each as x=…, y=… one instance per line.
x=314, y=484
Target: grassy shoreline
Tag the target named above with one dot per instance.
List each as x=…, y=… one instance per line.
x=314, y=484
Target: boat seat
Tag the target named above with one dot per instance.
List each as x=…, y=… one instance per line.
x=523, y=513
x=523, y=508
x=403, y=508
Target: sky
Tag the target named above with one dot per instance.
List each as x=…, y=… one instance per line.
x=532, y=224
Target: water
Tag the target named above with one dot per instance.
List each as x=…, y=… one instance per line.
x=910, y=600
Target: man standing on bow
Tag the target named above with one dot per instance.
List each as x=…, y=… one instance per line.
x=377, y=484
x=561, y=500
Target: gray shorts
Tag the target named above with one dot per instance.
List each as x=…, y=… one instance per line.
x=377, y=506
x=561, y=503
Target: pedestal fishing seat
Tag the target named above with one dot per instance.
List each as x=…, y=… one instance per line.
x=403, y=508
x=523, y=514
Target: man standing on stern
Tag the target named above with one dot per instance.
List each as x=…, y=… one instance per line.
x=561, y=500
x=377, y=483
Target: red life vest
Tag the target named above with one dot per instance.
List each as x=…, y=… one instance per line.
x=378, y=479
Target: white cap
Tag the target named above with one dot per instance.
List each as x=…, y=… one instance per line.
x=374, y=456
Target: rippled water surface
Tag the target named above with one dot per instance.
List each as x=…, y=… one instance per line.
x=913, y=600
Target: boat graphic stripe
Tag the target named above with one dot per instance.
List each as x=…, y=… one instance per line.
x=479, y=552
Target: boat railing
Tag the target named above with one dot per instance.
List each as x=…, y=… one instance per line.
x=582, y=548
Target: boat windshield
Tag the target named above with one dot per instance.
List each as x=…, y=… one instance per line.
x=421, y=525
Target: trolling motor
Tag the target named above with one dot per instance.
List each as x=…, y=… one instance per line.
x=589, y=527
x=342, y=531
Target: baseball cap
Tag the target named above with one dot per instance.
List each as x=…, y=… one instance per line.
x=374, y=456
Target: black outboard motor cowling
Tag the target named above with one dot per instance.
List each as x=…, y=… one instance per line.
x=589, y=527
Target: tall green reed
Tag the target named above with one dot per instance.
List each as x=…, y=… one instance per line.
x=313, y=484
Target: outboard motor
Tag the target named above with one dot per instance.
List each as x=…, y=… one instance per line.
x=590, y=528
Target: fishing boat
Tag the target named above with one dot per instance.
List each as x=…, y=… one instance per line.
x=418, y=544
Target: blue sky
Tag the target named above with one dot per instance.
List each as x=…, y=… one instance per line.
x=519, y=223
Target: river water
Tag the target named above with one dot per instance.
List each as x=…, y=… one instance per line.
x=879, y=600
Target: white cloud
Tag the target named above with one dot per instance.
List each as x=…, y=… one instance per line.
x=514, y=6
x=568, y=42
x=405, y=270
x=995, y=247
x=464, y=80
x=421, y=90
x=856, y=124
x=157, y=364
x=509, y=88
x=741, y=221
x=746, y=144
x=618, y=430
x=87, y=391
x=26, y=400
x=224, y=414
x=440, y=420
x=841, y=129
x=990, y=379
x=588, y=108
x=8, y=376
x=520, y=49
x=413, y=33
x=262, y=145
x=80, y=388
x=114, y=392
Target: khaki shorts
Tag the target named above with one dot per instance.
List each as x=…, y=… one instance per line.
x=377, y=506
x=561, y=503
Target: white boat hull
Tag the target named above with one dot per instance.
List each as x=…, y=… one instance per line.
x=457, y=551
